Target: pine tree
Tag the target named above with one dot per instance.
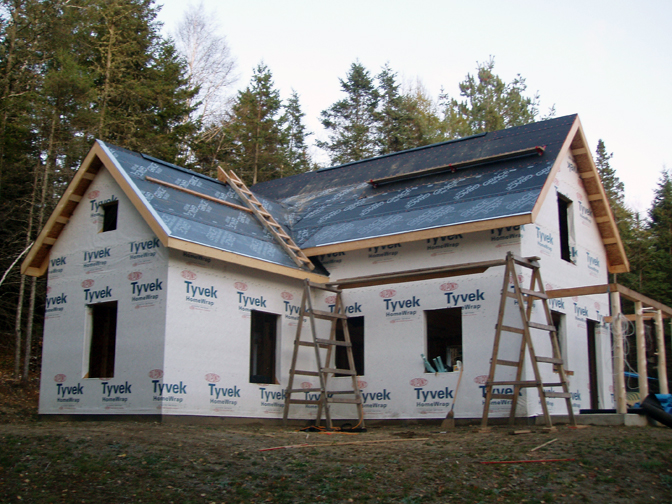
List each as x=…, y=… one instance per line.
x=351, y=122
x=256, y=131
x=659, y=270
x=296, y=149
x=489, y=104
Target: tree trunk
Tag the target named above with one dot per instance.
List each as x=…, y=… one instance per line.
x=256, y=144
x=40, y=220
x=22, y=286
x=106, y=85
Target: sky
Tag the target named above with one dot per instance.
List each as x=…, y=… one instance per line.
x=608, y=61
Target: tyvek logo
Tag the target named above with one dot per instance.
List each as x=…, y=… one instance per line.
x=544, y=240
x=98, y=295
x=388, y=293
x=456, y=299
x=87, y=283
x=505, y=233
x=593, y=262
x=135, y=275
x=61, y=299
x=481, y=379
x=404, y=303
x=119, y=391
x=58, y=261
x=60, y=378
x=212, y=377
x=155, y=374
x=219, y=395
x=95, y=204
x=198, y=294
x=137, y=248
x=94, y=255
x=93, y=194
x=441, y=242
x=241, y=286
x=64, y=394
x=288, y=296
x=252, y=301
x=418, y=382
x=585, y=212
x=167, y=392
x=349, y=309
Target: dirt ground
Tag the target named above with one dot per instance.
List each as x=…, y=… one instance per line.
x=119, y=462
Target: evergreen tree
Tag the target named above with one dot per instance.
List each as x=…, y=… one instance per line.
x=351, y=122
x=489, y=104
x=256, y=131
x=296, y=150
x=659, y=284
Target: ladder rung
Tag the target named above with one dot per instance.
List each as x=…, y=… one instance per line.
x=502, y=396
x=327, y=315
x=303, y=401
x=293, y=247
x=512, y=329
x=302, y=258
x=324, y=287
x=559, y=395
x=339, y=371
x=525, y=383
x=343, y=401
x=306, y=373
x=550, y=360
x=543, y=327
x=297, y=390
x=321, y=341
x=532, y=293
x=527, y=262
x=552, y=384
x=306, y=343
x=502, y=362
x=275, y=224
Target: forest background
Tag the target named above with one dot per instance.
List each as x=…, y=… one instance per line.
x=72, y=71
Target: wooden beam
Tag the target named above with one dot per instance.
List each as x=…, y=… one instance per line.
x=587, y=175
x=49, y=240
x=75, y=197
x=594, y=197
x=198, y=194
x=619, y=359
x=577, y=291
x=62, y=219
x=631, y=317
x=602, y=219
x=418, y=274
x=660, y=347
x=636, y=296
x=530, y=151
x=641, y=352
x=424, y=234
x=578, y=152
x=89, y=175
x=250, y=262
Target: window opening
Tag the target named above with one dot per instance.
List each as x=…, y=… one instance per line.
x=356, y=330
x=559, y=323
x=103, y=339
x=110, y=211
x=264, y=328
x=444, y=338
x=564, y=207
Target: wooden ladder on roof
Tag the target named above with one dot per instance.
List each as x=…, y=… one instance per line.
x=326, y=397
x=525, y=299
x=265, y=218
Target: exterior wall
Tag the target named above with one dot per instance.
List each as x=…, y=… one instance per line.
x=588, y=267
x=87, y=266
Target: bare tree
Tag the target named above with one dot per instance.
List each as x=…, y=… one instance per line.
x=211, y=66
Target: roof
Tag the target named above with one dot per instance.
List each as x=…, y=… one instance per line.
x=476, y=183
x=187, y=211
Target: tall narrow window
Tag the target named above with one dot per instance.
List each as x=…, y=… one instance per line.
x=559, y=323
x=564, y=207
x=356, y=331
x=444, y=337
x=103, y=339
x=110, y=211
x=264, y=328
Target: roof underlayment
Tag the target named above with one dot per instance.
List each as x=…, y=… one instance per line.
x=480, y=182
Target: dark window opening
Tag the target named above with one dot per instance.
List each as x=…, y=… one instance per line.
x=444, y=337
x=264, y=328
x=103, y=340
x=563, y=214
x=110, y=216
x=356, y=331
x=558, y=321
x=592, y=365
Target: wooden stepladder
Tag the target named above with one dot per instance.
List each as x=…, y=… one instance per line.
x=525, y=299
x=265, y=218
x=324, y=369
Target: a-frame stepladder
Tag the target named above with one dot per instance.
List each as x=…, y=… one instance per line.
x=525, y=299
x=324, y=369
